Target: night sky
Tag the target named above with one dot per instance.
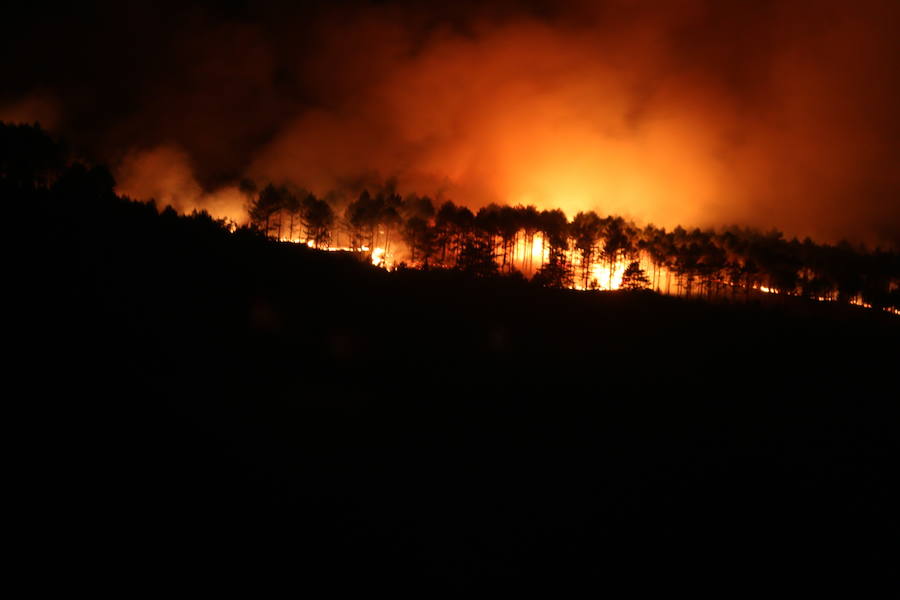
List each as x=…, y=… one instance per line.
x=701, y=113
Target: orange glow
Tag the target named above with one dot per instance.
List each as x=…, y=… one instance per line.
x=378, y=257
x=164, y=173
x=681, y=112
x=528, y=258
x=600, y=274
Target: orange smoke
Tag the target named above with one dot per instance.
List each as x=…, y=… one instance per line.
x=619, y=115
x=692, y=112
x=164, y=174
x=524, y=115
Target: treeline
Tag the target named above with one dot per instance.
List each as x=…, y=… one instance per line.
x=586, y=252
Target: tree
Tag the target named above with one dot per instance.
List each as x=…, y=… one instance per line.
x=292, y=206
x=477, y=257
x=634, y=277
x=444, y=229
x=554, y=228
x=29, y=157
x=508, y=228
x=585, y=230
x=529, y=220
x=616, y=243
x=420, y=238
x=555, y=273
x=362, y=217
x=317, y=217
x=78, y=181
x=265, y=206
x=487, y=225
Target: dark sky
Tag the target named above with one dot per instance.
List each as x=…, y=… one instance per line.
x=699, y=112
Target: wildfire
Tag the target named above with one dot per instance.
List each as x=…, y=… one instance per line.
x=856, y=300
x=529, y=252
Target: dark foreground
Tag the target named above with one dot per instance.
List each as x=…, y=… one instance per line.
x=212, y=405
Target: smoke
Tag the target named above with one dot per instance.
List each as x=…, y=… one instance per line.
x=32, y=108
x=164, y=174
x=690, y=112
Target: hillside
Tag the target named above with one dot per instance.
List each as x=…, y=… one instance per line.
x=214, y=397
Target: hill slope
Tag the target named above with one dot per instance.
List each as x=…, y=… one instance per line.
x=202, y=397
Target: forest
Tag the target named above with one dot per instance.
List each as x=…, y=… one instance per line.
x=588, y=252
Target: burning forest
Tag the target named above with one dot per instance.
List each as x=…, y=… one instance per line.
x=585, y=253
x=479, y=296
x=588, y=252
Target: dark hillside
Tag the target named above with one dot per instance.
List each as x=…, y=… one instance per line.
x=208, y=398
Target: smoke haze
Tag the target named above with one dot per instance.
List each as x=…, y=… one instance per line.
x=694, y=112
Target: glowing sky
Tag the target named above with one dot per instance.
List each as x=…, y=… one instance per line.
x=772, y=114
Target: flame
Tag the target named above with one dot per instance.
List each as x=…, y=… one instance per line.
x=378, y=257
x=529, y=257
x=601, y=274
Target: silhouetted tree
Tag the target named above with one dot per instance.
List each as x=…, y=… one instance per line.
x=78, y=181
x=529, y=221
x=556, y=272
x=634, y=277
x=508, y=228
x=265, y=207
x=362, y=217
x=318, y=220
x=420, y=239
x=616, y=243
x=585, y=230
x=445, y=230
x=29, y=157
x=554, y=228
x=487, y=226
x=291, y=204
x=477, y=257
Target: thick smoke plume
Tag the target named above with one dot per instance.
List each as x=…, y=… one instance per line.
x=698, y=112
